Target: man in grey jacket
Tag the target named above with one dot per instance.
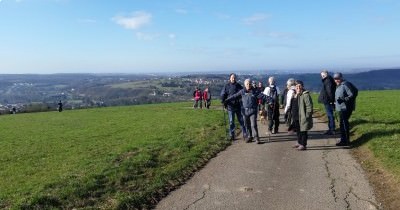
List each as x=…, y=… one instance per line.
x=343, y=96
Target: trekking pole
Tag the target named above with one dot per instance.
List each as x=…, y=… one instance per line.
x=226, y=129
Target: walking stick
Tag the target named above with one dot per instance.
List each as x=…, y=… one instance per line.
x=226, y=129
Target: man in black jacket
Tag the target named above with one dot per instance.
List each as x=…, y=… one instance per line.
x=234, y=107
x=327, y=97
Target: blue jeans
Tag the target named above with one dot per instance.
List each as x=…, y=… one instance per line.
x=331, y=118
x=231, y=115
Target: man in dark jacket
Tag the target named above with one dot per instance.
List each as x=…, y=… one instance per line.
x=234, y=107
x=327, y=97
x=250, y=96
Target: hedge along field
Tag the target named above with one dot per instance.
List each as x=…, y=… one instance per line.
x=116, y=157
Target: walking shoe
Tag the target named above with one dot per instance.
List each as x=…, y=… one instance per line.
x=247, y=140
x=301, y=148
x=329, y=132
x=296, y=145
x=342, y=144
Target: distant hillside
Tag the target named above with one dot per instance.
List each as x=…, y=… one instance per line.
x=29, y=93
x=377, y=79
x=371, y=80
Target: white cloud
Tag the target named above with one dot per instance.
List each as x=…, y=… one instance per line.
x=135, y=21
x=255, y=18
x=146, y=37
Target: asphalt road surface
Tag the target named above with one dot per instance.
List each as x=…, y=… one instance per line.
x=273, y=175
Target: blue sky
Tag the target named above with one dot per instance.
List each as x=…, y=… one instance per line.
x=134, y=36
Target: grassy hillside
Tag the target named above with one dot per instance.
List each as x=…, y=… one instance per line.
x=114, y=157
x=375, y=129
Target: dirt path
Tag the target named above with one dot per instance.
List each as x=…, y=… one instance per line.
x=275, y=176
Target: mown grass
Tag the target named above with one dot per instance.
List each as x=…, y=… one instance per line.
x=112, y=158
x=375, y=125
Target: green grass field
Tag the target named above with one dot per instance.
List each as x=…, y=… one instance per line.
x=376, y=125
x=121, y=157
x=115, y=157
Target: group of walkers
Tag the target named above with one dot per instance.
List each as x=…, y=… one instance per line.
x=200, y=96
x=247, y=103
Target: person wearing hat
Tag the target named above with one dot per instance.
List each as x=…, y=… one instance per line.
x=327, y=97
x=302, y=109
x=343, y=95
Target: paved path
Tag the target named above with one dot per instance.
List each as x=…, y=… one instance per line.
x=276, y=176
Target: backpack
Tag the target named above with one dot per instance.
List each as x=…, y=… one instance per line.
x=273, y=93
x=354, y=90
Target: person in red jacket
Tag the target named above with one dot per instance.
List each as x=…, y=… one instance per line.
x=197, y=95
x=207, y=98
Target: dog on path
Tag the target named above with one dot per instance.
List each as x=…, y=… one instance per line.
x=263, y=117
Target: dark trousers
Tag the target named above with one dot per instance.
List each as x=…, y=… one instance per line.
x=273, y=118
x=344, y=117
x=302, y=136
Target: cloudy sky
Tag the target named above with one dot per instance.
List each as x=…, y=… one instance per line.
x=133, y=36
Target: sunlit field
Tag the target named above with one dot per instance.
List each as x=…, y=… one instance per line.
x=115, y=157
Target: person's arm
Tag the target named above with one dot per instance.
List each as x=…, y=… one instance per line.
x=223, y=94
x=309, y=105
x=236, y=95
x=289, y=99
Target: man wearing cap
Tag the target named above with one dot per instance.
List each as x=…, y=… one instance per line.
x=343, y=95
x=327, y=97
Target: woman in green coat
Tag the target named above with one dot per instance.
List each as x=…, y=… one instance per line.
x=302, y=109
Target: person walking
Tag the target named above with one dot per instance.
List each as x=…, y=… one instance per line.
x=197, y=95
x=60, y=106
x=261, y=89
x=234, y=107
x=327, y=97
x=344, y=98
x=302, y=115
x=273, y=92
x=207, y=98
x=291, y=92
x=250, y=96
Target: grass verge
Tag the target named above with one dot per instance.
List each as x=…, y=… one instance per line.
x=375, y=137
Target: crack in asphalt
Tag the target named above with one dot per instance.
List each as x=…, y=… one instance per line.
x=333, y=181
x=346, y=198
x=199, y=199
x=377, y=206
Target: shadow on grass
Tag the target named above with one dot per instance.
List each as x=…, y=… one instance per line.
x=366, y=137
x=357, y=122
